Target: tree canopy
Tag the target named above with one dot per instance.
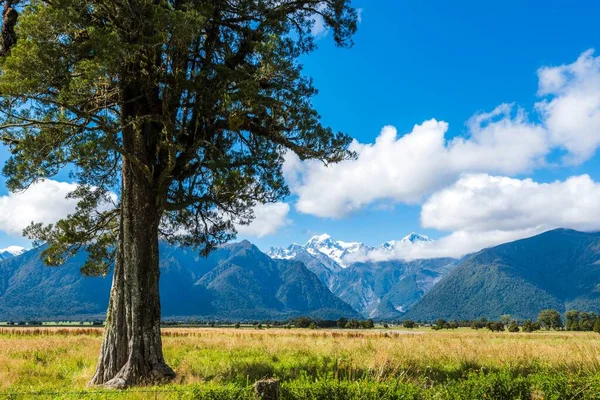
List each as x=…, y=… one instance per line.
x=218, y=83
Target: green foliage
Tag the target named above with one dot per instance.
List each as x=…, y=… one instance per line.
x=409, y=324
x=550, y=319
x=580, y=321
x=202, y=99
x=495, y=326
x=513, y=327
x=530, y=326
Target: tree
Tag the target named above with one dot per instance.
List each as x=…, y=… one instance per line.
x=505, y=319
x=341, y=323
x=530, y=326
x=572, y=318
x=302, y=322
x=586, y=321
x=597, y=325
x=174, y=117
x=408, y=324
x=513, y=326
x=550, y=319
x=368, y=324
x=495, y=326
x=440, y=324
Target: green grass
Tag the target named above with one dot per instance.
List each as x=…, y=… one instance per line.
x=323, y=364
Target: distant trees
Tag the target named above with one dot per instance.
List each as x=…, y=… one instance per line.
x=408, y=324
x=479, y=324
x=550, y=319
x=530, y=326
x=302, y=322
x=495, y=326
x=443, y=324
x=513, y=326
x=342, y=323
x=582, y=321
x=597, y=325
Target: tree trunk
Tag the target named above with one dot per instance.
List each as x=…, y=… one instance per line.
x=132, y=348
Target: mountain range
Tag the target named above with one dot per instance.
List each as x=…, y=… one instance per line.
x=382, y=290
x=236, y=282
x=327, y=279
x=559, y=269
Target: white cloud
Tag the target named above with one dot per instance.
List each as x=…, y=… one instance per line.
x=46, y=202
x=42, y=202
x=269, y=218
x=504, y=141
x=359, y=13
x=454, y=245
x=407, y=168
x=482, y=203
x=483, y=211
x=571, y=114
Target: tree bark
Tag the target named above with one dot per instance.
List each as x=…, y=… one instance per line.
x=132, y=348
x=131, y=351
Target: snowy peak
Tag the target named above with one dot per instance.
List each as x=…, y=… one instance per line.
x=339, y=251
x=319, y=245
x=336, y=250
x=408, y=240
x=11, y=251
x=287, y=253
x=415, y=237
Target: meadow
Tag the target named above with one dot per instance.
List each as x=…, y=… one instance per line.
x=223, y=363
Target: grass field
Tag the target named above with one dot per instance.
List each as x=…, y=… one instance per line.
x=223, y=363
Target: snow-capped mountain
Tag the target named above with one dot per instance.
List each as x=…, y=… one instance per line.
x=376, y=289
x=406, y=240
x=11, y=251
x=321, y=245
x=336, y=250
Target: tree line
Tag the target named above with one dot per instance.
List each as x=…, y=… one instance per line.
x=547, y=319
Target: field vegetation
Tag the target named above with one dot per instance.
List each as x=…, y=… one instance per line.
x=214, y=363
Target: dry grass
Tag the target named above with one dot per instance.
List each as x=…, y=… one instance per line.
x=54, y=357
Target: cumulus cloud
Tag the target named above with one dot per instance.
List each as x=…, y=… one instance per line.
x=44, y=201
x=481, y=203
x=571, y=113
x=269, y=218
x=407, y=168
x=410, y=167
x=482, y=211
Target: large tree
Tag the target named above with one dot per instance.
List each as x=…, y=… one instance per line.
x=174, y=117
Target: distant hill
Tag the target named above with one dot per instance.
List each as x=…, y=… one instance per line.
x=236, y=282
x=559, y=269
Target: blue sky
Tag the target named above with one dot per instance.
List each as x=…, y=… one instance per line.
x=417, y=60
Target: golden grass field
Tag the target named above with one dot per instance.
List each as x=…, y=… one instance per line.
x=40, y=358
